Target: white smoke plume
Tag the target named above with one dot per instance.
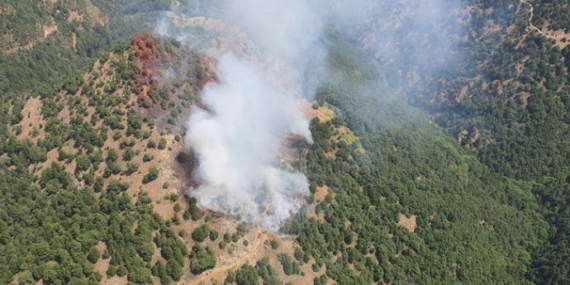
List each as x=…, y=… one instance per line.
x=237, y=142
x=238, y=138
x=288, y=30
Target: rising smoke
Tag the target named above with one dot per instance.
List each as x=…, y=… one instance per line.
x=237, y=142
x=238, y=138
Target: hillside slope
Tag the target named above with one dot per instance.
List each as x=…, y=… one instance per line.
x=90, y=181
x=440, y=155
x=500, y=86
x=42, y=42
x=408, y=206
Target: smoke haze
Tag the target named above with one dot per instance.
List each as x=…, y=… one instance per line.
x=238, y=139
x=237, y=143
x=253, y=107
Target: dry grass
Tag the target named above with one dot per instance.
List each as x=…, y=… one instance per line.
x=319, y=196
x=102, y=264
x=177, y=178
x=408, y=223
x=48, y=30
x=324, y=113
x=32, y=120
x=74, y=16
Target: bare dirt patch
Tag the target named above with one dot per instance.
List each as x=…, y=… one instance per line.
x=324, y=113
x=408, y=223
x=74, y=16
x=115, y=280
x=94, y=14
x=321, y=193
x=102, y=264
x=233, y=259
x=462, y=93
x=48, y=30
x=319, y=196
x=33, y=121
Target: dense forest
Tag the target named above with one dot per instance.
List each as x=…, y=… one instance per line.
x=503, y=93
x=46, y=42
x=435, y=167
x=403, y=166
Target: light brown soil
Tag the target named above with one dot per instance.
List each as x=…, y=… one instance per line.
x=321, y=193
x=32, y=120
x=462, y=93
x=115, y=280
x=324, y=113
x=557, y=35
x=74, y=16
x=48, y=30
x=408, y=223
x=232, y=261
x=102, y=264
x=319, y=196
x=177, y=177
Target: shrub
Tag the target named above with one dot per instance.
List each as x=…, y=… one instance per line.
x=151, y=175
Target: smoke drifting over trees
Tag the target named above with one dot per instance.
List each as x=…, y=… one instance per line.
x=237, y=142
x=237, y=139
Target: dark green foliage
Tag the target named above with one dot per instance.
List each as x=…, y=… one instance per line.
x=83, y=163
x=112, y=156
x=116, y=186
x=99, y=183
x=183, y=157
x=134, y=123
x=213, y=235
x=242, y=229
x=473, y=226
x=93, y=255
x=131, y=168
x=151, y=175
x=173, y=197
x=125, y=143
x=550, y=262
x=227, y=238
x=140, y=275
x=269, y=275
x=67, y=226
x=128, y=154
x=186, y=215
x=290, y=266
x=322, y=280
x=162, y=143
x=193, y=210
x=515, y=110
x=298, y=254
x=201, y=259
x=201, y=233
x=171, y=247
x=407, y=167
x=147, y=158
x=246, y=275
x=174, y=270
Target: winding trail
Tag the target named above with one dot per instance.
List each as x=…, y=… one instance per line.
x=256, y=247
x=530, y=16
x=557, y=36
